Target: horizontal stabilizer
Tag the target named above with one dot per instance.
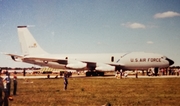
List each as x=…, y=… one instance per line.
x=15, y=57
x=21, y=26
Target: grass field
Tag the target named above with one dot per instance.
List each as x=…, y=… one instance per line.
x=97, y=92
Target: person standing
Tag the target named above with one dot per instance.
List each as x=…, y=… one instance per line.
x=15, y=84
x=6, y=95
x=117, y=75
x=170, y=71
x=1, y=90
x=24, y=72
x=163, y=71
x=65, y=82
x=60, y=74
x=178, y=71
x=136, y=72
x=121, y=73
x=8, y=85
x=6, y=72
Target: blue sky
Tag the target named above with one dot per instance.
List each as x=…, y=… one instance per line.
x=92, y=26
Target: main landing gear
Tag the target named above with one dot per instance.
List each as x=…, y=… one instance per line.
x=92, y=73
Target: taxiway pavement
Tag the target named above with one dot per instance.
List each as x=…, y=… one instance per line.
x=83, y=76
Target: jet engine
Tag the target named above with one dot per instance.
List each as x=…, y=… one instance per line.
x=104, y=67
x=76, y=65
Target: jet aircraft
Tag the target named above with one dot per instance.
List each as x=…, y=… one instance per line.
x=96, y=64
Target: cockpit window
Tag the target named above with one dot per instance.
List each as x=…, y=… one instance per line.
x=163, y=57
x=117, y=60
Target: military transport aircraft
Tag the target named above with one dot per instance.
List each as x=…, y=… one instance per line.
x=96, y=64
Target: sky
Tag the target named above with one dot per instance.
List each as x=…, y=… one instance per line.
x=92, y=26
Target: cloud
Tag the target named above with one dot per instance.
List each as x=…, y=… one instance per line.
x=150, y=42
x=52, y=32
x=152, y=26
x=167, y=14
x=106, y=26
x=99, y=43
x=134, y=25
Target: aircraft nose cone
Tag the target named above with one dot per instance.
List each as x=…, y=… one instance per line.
x=171, y=62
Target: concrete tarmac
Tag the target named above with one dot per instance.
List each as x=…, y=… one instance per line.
x=83, y=76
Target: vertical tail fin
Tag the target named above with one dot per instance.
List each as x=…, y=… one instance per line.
x=29, y=45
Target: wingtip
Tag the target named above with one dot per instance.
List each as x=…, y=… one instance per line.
x=21, y=26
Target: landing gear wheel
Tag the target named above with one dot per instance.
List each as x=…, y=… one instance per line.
x=101, y=73
x=88, y=74
x=94, y=74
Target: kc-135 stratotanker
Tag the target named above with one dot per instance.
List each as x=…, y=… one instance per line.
x=96, y=64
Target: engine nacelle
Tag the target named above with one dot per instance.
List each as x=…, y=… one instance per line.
x=76, y=65
x=105, y=68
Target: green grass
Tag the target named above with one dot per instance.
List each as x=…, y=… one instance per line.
x=97, y=92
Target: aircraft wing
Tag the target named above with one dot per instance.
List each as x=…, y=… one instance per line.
x=45, y=58
x=75, y=64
